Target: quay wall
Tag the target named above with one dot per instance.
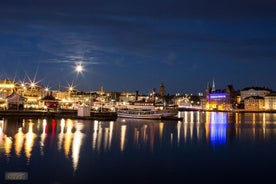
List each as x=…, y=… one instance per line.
x=57, y=114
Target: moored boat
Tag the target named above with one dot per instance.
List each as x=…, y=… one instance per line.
x=146, y=110
x=138, y=114
x=146, y=114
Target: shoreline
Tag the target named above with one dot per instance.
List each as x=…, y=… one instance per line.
x=72, y=114
x=103, y=116
x=234, y=110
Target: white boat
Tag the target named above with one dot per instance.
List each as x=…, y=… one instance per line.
x=146, y=110
x=146, y=113
x=138, y=114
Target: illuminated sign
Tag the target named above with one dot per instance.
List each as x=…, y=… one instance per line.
x=217, y=96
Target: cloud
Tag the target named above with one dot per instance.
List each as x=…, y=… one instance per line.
x=125, y=35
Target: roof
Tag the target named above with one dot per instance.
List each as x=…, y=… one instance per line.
x=272, y=94
x=255, y=97
x=49, y=97
x=15, y=97
x=256, y=88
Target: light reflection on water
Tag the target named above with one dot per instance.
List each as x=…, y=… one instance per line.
x=211, y=127
x=37, y=139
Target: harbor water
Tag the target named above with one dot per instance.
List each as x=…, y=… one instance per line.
x=203, y=147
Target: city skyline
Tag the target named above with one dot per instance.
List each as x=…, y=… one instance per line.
x=136, y=45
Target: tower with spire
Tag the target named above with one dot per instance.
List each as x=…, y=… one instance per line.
x=162, y=90
x=213, y=86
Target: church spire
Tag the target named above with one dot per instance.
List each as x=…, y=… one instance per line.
x=213, y=86
x=208, y=85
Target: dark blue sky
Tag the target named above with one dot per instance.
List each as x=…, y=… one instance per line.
x=137, y=44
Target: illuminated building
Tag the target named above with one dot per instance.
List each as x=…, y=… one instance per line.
x=50, y=101
x=254, y=91
x=217, y=99
x=6, y=88
x=254, y=103
x=15, y=101
x=270, y=101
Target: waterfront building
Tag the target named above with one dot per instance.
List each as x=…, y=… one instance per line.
x=254, y=91
x=254, y=103
x=189, y=101
x=127, y=96
x=217, y=99
x=50, y=101
x=270, y=101
x=6, y=88
x=15, y=101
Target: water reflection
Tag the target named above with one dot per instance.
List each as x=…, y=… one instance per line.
x=43, y=136
x=218, y=125
x=61, y=134
x=19, y=139
x=5, y=141
x=67, y=137
x=102, y=135
x=77, y=143
x=123, y=137
x=29, y=140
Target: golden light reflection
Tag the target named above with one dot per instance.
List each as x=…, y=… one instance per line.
x=2, y=135
x=61, y=134
x=144, y=133
x=68, y=137
x=94, y=136
x=192, y=117
x=191, y=128
x=178, y=132
x=161, y=130
x=207, y=120
x=99, y=136
x=123, y=137
x=111, y=127
x=198, y=117
x=136, y=134
x=264, y=118
x=264, y=125
x=106, y=138
x=151, y=137
x=185, y=117
x=198, y=131
x=102, y=136
x=254, y=125
x=29, y=140
x=171, y=138
x=77, y=142
x=5, y=141
x=7, y=145
x=237, y=122
x=198, y=126
x=43, y=136
x=18, y=141
x=254, y=118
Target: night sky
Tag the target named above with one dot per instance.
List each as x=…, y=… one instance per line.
x=137, y=44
